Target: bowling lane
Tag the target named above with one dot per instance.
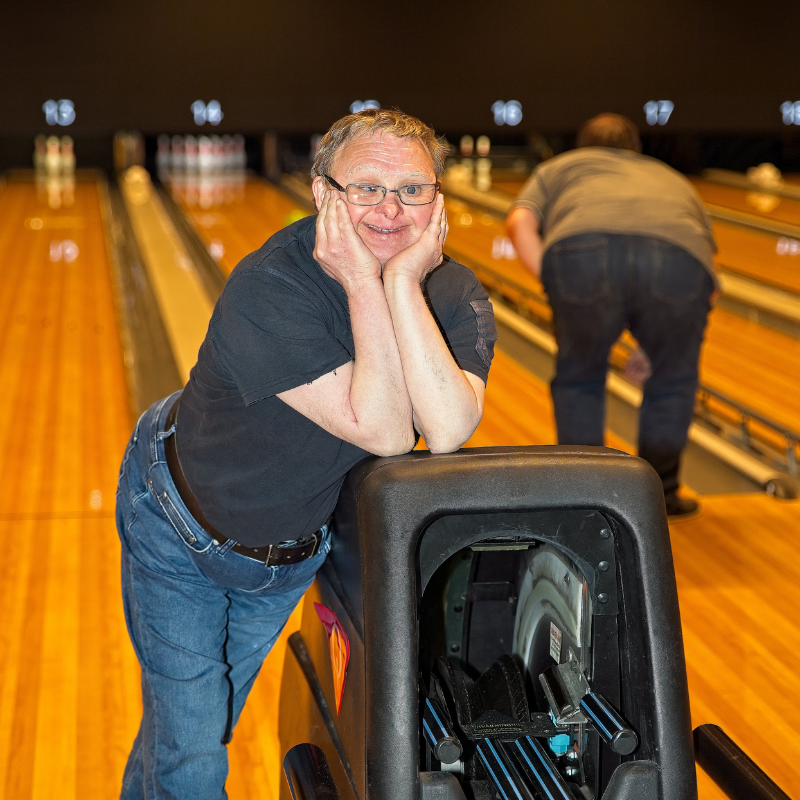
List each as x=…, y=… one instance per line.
x=69, y=701
x=508, y=186
x=774, y=260
x=751, y=363
x=233, y=219
x=738, y=574
x=758, y=203
x=64, y=417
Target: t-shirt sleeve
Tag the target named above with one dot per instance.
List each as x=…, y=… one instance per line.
x=465, y=315
x=272, y=336
x=534, y=194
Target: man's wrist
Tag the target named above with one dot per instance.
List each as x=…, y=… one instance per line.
x=362, y=284
x=399, y=279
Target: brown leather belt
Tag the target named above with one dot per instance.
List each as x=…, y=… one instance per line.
x=272, y=555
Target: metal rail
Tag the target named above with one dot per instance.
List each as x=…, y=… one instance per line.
x=731, y=768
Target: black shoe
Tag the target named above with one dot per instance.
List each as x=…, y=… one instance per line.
x=680, y=508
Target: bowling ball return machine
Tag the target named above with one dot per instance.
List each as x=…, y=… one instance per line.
x=493, y=623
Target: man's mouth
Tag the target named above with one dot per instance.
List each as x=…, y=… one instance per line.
x=386, y=231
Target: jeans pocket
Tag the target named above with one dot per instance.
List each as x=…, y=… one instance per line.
x=678, y=277
x=190, y=532
x=578, y=269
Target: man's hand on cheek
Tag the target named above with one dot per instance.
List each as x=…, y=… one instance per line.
x=339, y=249
x=417, y=260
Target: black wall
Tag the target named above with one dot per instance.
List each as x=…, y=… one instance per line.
x=296, y=66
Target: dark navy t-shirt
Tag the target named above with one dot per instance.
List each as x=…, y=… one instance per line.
x=260, y=471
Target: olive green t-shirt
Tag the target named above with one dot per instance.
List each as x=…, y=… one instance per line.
x=602, y=189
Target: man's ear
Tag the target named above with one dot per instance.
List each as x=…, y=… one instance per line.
x=318, y=188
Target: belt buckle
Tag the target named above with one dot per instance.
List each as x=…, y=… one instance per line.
x=315, y=537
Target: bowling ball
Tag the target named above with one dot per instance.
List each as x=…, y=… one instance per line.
x=294, y=216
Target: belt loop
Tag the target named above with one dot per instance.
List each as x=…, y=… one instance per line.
x=155, y=425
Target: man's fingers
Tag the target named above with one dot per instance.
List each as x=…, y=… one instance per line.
x=436, y=218
x=346, y=227
x=322, y=214
x=323, y=207
x=333, y=221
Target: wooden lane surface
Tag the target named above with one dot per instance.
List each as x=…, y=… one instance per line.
x=69, y=697
x=738, y=574
x=751, y=363
x=233, y=223
x=762, y=256
x=69, y=701
x=758, y=203
x=507, y=186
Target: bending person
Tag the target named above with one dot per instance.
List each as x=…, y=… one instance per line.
x=621, y=240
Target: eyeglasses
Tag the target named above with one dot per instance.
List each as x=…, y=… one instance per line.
x=365, y=194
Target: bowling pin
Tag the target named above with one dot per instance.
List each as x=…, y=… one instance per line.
x=240, y=155
x=176, y=161
x=204, y=158
x=67, y=172
x=217, y=156
x=227, y=152
x=162, y=155
x=39, y=152
x=483, y=174
x=52, y=159
x=67, y=156
x=190, y=153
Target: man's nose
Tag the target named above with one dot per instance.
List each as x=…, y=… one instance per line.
x=390, y=206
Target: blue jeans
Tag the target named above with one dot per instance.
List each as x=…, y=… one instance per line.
x=201, y=617
x=598, y=284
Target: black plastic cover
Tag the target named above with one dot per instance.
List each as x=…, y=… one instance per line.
x=439, y=786
x=387, y=504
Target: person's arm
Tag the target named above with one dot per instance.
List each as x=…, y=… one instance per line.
x=447, y=401
x=365, y=402
x=523, y=229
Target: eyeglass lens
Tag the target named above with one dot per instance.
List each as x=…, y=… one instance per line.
x=411, y=195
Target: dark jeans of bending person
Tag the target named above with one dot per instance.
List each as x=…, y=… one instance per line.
x=201, y=617
x=599, y=284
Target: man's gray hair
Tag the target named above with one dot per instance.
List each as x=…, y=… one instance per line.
x=369, y=122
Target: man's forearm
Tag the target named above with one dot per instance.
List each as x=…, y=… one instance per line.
x=523, y=229
x=446, y=408
x=379, y=398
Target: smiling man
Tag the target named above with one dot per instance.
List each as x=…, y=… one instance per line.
x=346, y=334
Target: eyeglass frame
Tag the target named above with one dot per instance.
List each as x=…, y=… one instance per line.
x=336, y=185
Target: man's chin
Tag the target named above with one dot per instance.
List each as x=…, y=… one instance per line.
x=384, y=252
x=384, y=246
